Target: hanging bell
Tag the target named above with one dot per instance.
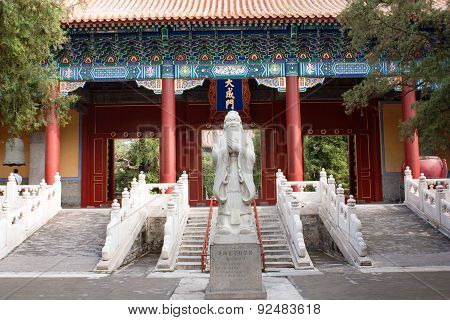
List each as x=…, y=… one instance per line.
x=14, y=153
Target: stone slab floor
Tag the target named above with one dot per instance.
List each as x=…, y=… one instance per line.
x=71, y=241
x=411, y=261
x=397, y=237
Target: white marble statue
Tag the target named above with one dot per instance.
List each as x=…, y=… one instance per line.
x=234, y=156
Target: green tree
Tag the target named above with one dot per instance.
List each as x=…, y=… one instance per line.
x=414, y=35
x=30, y=32
x=328, y=152
x=134, y=156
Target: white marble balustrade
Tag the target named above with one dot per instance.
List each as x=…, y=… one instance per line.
x=339, y=218
x=138, y=204
x=24, y=209
x=428, y=198
x=177, y=214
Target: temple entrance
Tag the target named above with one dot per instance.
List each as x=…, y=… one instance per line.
x=131, y=156
x=116, y=119
x=208, y=140
x=333, y=153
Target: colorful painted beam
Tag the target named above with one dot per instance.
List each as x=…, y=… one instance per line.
x=337, y=69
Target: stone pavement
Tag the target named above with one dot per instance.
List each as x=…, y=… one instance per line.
x=71, y=241
x=411, y=261
x=355, y=285
x=333, y=279
x=397, y=237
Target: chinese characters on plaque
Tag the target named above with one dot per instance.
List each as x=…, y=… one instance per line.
x=229, y=95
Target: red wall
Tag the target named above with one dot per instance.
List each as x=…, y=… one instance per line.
x=318, y=117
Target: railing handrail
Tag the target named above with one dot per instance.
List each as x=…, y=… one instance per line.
x=206, y=239
x=258, y=230
x=129, y=212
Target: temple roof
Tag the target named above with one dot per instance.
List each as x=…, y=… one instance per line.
x=154, y=10
x=92, y=11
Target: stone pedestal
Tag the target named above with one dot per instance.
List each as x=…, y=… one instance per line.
x=235, y=270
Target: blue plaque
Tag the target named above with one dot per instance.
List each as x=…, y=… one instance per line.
x=229, y=95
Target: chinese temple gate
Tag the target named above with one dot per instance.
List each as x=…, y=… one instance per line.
x=164, y=69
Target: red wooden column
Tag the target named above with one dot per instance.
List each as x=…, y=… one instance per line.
x=411, y=145
x=294, y=130
x=168, y=142
x=52, y=141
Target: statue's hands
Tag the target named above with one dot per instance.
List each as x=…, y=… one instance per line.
x=233, y=145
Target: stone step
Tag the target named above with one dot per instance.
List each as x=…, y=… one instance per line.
x=205, y=219
x=189, y=259
x=193, y=233
x=197, y=253
x=273, y=237
x=274, y=241
x=273, y=264
x=191, y=242
x=269, y=226
x=192, y=222
x=278, y=258
x=196, y=225
x=276, y=251
x=271, y=232
x=268, y=220
x=194, y=228
x=275, y=246
x=191, y=247
x=189, y=265
x=192, y=238
x=195, y=222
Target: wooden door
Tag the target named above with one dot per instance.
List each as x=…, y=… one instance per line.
x=98, y=172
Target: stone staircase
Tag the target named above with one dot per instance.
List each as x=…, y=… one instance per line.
x=276, y=247
x=189, y=255
x=275, y=244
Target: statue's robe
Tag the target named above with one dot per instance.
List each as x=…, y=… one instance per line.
x=233, y=184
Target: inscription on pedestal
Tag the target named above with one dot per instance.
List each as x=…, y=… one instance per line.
x=235, y=268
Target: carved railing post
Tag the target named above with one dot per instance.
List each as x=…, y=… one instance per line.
x=112, y=232
x=26, y=198
x=331, y=190
x=143, y=192
x=11, y=189
x=168, y=227
x=125, y=199
x=57, y=188
x=115, y=210
x=440, y=195
x=422, y=186
x=351, y=209
x=185, y=180
x=340, y=198
x=4, y=209
x=323, y=185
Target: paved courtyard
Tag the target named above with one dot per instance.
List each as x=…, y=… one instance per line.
x=71, y=241
x=411, y=261
x=397, y=237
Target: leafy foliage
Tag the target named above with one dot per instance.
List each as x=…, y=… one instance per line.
x=134, y=156
x=30, y=30
x=329, y=152
x=414, y=34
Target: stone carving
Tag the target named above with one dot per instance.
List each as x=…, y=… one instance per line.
x=234, y=157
